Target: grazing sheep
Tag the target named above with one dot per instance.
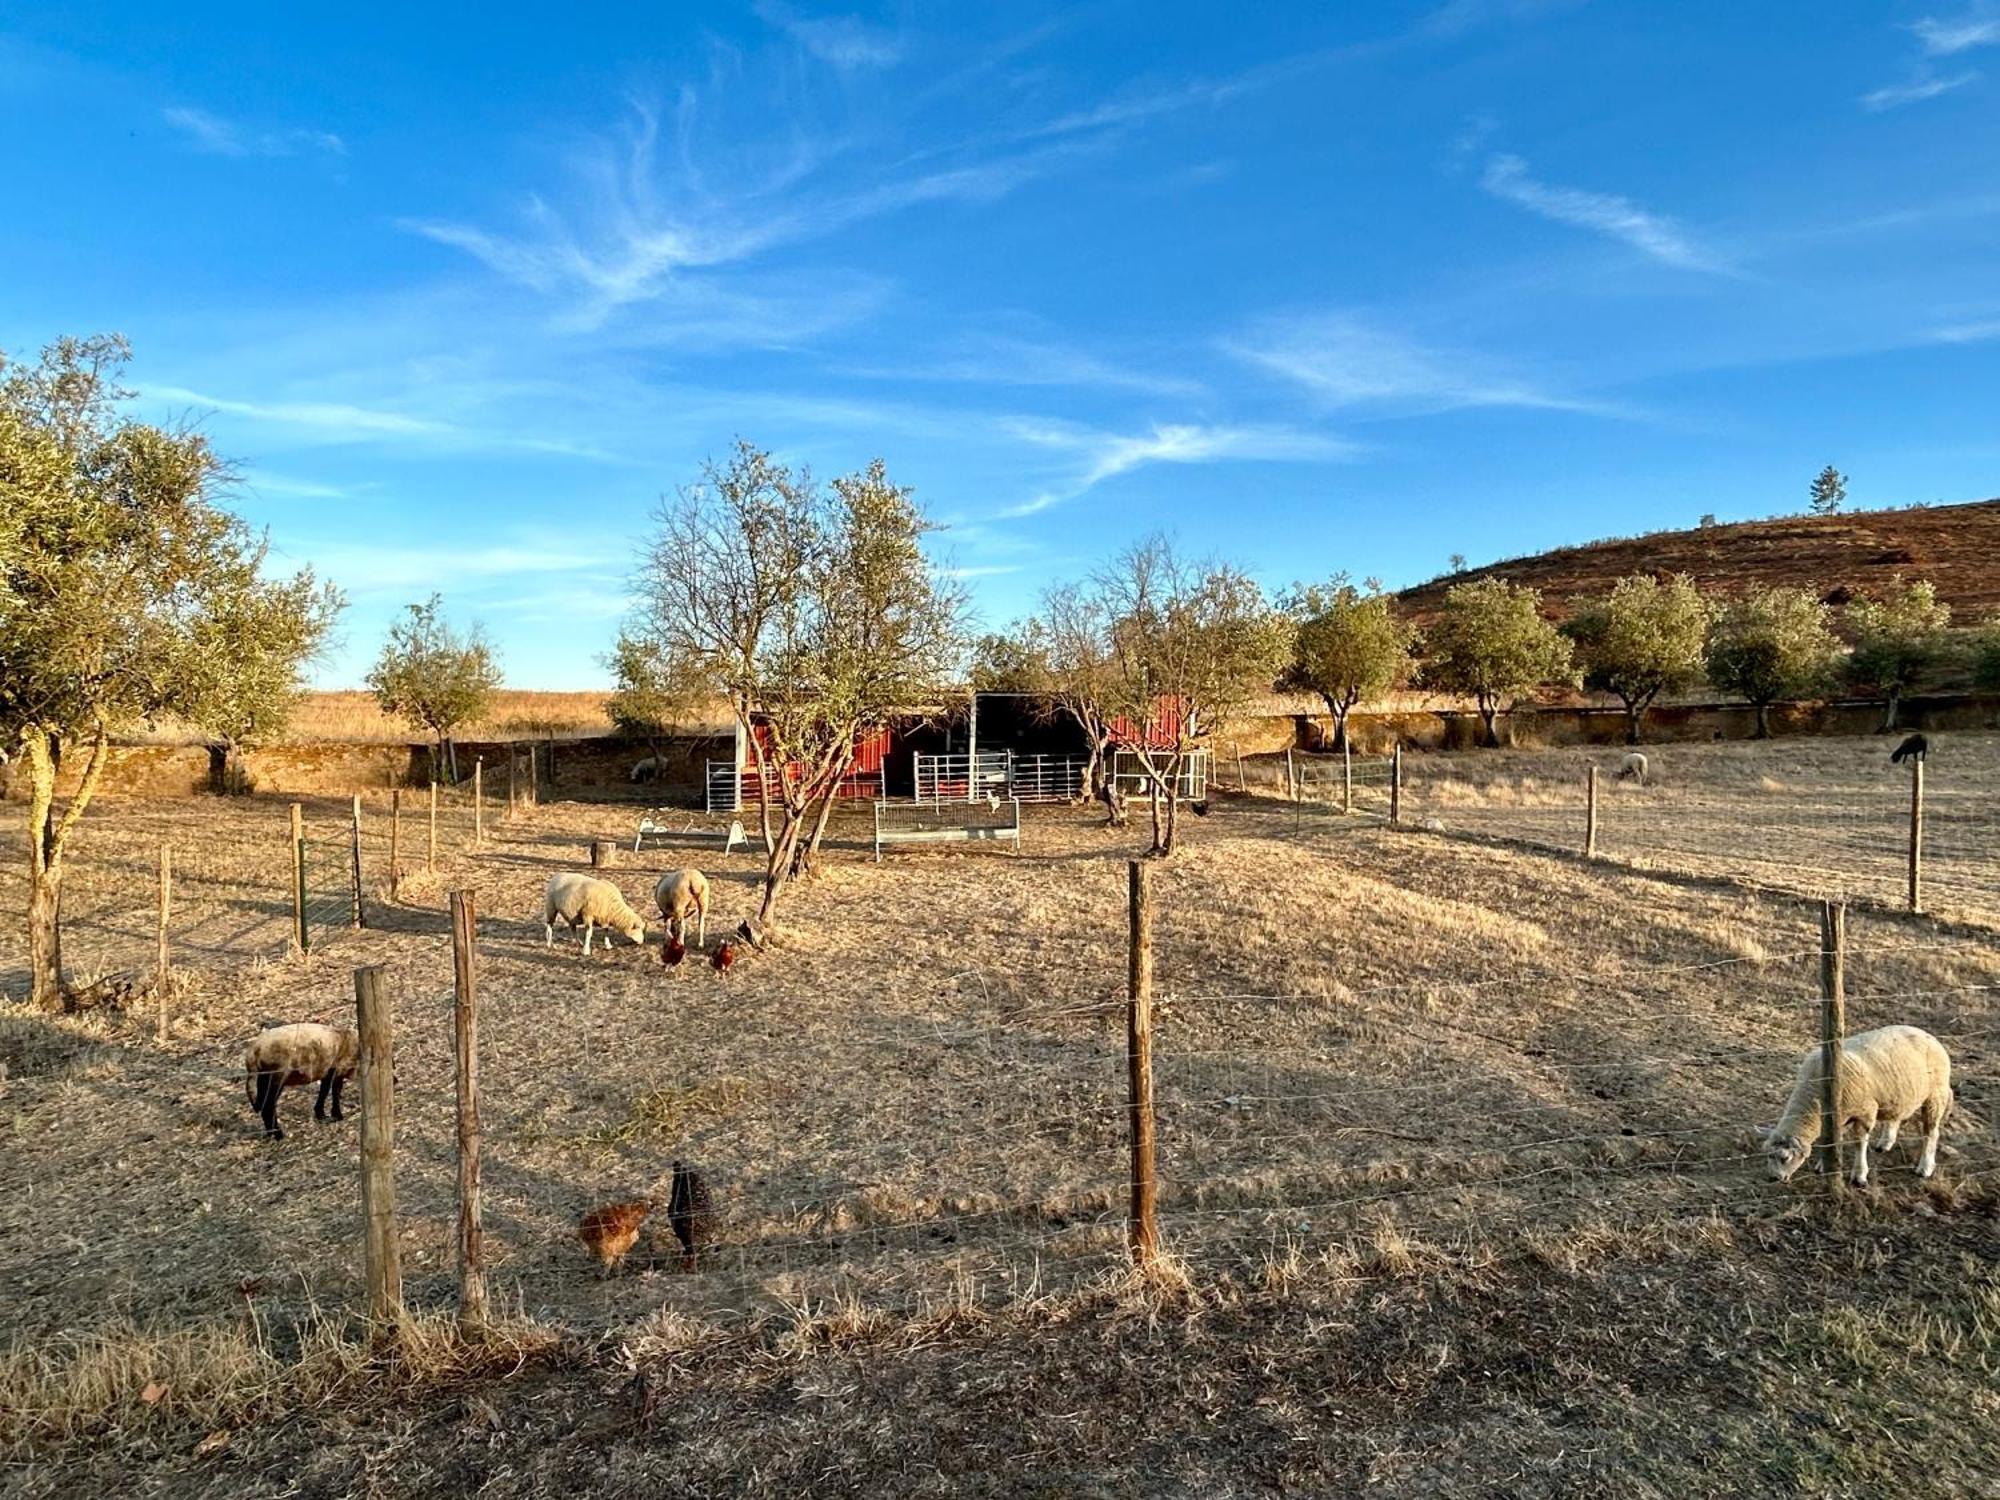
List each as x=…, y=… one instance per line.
x=583, y=902
x=1916, y=747
x=681, y=894
x=304, y=1052
x=1887, y=1076
x=652, y=768
x=1633, y=768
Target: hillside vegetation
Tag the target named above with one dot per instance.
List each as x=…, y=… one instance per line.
x=1956, y=547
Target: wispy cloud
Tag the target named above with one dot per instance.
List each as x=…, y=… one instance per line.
x=1344, y=361
x=220, y=137
x=1918, y=88
x=844, y=41
x=1979, y=27
x=1610, y=214
x=1105, y=455
x=1001, y=360
x=370, y=568
x=1976, y=332
x=261, y=483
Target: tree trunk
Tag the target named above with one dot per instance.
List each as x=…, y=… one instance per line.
x=1891, y=711
x=1173, y=812
x=45, y=939
x=1489, y=712
x=1633, y=712
x=1763, y=720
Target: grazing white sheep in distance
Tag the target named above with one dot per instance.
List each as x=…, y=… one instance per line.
x=585, y=902
x=304, y=1052
x=1888, y=1076
x=682, y=894
x=652, y=768
x=1633, y=768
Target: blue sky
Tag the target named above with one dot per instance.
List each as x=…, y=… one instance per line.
x=465, y=289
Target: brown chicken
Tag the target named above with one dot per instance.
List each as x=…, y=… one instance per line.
x=674, y=952
x=610, y=1230
x=724, y=957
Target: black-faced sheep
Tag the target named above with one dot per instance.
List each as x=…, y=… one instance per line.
x=588, y=903
x=1887, y=1076
x=304, y=1052
x=681, y=894
x=1916, y=747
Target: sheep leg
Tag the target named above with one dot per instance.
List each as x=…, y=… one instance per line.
x=1933, y=1123
x=1861, y=1161
x=701, y=913
x=1885, y=1135
x=269, y=1087
x=339, y=1083
x=548, y=934
x=326, y=1087
x=589, y=927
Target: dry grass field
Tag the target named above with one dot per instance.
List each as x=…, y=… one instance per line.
x=1456, y=1146
x=353, y=717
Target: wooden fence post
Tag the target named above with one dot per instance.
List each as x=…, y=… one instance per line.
x=1832, y=1030
x=534, y=778
x=1916, y=833
x=479, y=802
x=395, y=839
x=1590, y=814
x=1396, y=785
x=1144, y=1228
x=465, y=1035
x=298, y=877
x=1241, y=784
x=513, y=756
x=160, y=968
x=360, y=917
x=431, y=858
x=382, y=1259
x=603, y=854
x=1291, y=776
x=1346, y=772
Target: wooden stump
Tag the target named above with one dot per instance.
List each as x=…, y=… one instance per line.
x=603, y=854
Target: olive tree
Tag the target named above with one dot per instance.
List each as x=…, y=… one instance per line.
x=1064, y=657
x=1191, y=643
x=1350, y=646
x=123, y=579
x=1490, y=644
x=1986, y=660
x=1895, y=640
x=1772, y=643
x=654, y=696
x=814, y=612
x=1642, y=639
x=249, y=650
x=435, y=676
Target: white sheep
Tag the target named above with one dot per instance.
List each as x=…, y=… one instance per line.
x=587, y=903
x=1633, y=768
x=652, y=768
x=681, y=894
x=304, y=1052
x=1888, y=1076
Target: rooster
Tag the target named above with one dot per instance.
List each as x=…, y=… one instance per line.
x=690, y=1211
x=724, y=957
x=673, y=952
x=610, y=1230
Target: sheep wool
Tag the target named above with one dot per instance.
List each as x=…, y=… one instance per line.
x=588, y=903
x=1633, y=768
x=681, y=894
x=305, y=1052
x=1888, y=1077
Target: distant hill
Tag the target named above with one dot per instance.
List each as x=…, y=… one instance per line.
x=1955, y=547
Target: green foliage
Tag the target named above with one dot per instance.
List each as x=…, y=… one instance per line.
x=1772, y=643
x=1350, y=645
x=1190, y=644
x=1829, y=491
x=655, y=695
x=813, y=611
x=1896, y=638
x=1986, y=660
x=1490, y=643
x=1642, y=639
x=1012, y=662
x=432, y=675
x=126, y=593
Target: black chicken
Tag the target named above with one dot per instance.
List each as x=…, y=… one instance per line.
x=690, y=1211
